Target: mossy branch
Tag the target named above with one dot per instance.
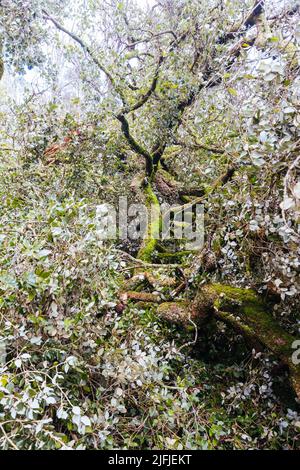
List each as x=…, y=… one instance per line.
x=245, y=311
x=150, y=241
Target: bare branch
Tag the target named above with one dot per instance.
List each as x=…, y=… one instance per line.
x=153, y=36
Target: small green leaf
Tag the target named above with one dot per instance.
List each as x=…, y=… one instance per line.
x=232, y=91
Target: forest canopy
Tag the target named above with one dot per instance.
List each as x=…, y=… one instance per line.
x=132, y=115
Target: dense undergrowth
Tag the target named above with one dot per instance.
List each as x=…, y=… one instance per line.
x=193, y=101
x=79, y=375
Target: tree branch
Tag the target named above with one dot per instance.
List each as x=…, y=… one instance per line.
x=152, y=88
x=134, y=145
x=87, y=49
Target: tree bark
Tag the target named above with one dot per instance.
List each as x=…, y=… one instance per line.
x=242, y=309
x=245, y=311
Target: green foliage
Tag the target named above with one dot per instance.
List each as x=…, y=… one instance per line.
x=200, y=100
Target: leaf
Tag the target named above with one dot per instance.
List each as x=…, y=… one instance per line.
x=274, y=39
x=76, y=410
x=18, y=363
x=257, y=159
x=253, y=225
x=76, y=419
x=50, y=400
x=287, y=203
x=25, y=356
x=43, y=253
x=34, y=404
x=53, y=310
x=85, y=420
x=56, y=231
x=289, y=110
x=36, y=340
x=8, y=281
x=61, y=413
x=263, y=137
x=296, y=190
x=232, y=91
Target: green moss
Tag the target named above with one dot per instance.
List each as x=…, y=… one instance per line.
x=175, y=312
x=167, y=176
x=252, y=316
x=216, y=245
x=178, y=255
x=146, y=251
x=186, y=199
x=207, y=189
x=150, y=196
x=151, y=239
x=235, y=293
x=255, y=315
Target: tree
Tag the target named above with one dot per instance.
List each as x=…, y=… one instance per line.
x=202, y=98
x=164, y=69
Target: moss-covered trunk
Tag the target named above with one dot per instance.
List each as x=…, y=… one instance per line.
x=151, y=236
x=242, y=309
x=246, y=312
